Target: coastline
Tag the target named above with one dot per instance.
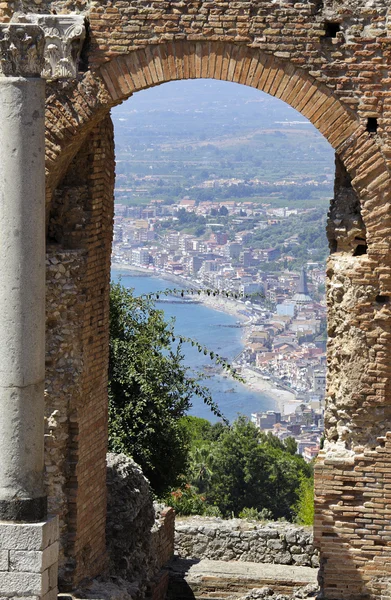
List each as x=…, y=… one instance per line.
x=227, y=305
x=284, y=400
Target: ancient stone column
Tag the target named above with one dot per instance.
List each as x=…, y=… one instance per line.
x=22, y=269
x=28, y=538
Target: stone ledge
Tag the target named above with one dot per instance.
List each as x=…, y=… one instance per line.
x=220, y=580
x=28, y=536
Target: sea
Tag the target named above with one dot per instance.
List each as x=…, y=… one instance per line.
x=214, y=329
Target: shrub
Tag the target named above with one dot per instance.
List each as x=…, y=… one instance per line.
x=185, y=501
x=304, y=507
x=253, y=514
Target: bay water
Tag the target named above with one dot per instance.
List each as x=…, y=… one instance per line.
x=214, y=329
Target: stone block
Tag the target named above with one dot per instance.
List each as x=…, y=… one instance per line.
x=20, y=598
x=33, y=561
x=315, y=562
x=24, y=584
x=51, y=595
x=291, y=537
x=301, y=560
x=53, y=576
x=28, y=536
x=283, y=558
x=28, y=560
x=276, y=544
x=4, y=560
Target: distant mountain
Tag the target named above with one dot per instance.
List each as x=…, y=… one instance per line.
x=192, y=132
x=203, y=106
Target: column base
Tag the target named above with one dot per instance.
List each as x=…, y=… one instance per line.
x=29, y=510
x=29, y=560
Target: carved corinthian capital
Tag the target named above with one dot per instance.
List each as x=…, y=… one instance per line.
x=21, y=50
x=64, y=36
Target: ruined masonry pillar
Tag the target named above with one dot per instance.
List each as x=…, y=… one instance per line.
x=28, y=539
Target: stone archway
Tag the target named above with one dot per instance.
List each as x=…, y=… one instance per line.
x=358, y=282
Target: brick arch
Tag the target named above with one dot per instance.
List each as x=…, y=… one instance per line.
x=115, y=81
x=154, y=65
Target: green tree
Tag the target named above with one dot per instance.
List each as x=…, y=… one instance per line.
x=240, y=470
x=198, y=430
x=255, y=470
x=150, y=389
x=291, y=445
x=202, y=459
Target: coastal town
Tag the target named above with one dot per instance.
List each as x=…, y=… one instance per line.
x=279, y=303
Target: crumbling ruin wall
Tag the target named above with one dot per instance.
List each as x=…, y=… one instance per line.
x=330, y=60
x=140, y=534
x=78, y=276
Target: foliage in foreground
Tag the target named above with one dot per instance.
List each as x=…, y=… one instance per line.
x=150, y=389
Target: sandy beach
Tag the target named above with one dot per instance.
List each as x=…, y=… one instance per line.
x=285, y=401
x=231, y=307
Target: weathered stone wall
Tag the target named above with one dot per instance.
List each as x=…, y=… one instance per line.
x=236, y=539
x=162, y=543
x=140, y=535
x=64, y=369
x=338, y=80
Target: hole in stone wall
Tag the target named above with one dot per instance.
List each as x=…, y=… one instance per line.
x=380, y=299
x=83, y=60
x=333, y=245
x=372, y=125
x=345, y=215
x=51, y=322
x=360, y=250
x=331, y=30
x=342, y=177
